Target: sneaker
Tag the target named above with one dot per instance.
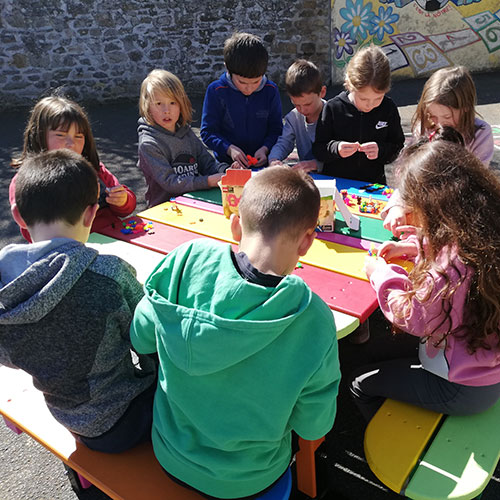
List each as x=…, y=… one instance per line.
x=361, y=335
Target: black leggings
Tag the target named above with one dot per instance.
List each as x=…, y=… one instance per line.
x=406, y=380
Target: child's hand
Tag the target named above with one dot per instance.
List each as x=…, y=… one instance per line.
x=306, y=166
x=370, y=149
x=238, y=155
x=395, y=217
x=393, y=249
x=347, y=149
x=371, y=262
x=116, y=195
x=402, y=232
x=214, y=179
x=235, y=164
x=261, y=155
x=275, y=163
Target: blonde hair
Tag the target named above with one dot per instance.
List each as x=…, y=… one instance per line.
x=160, y=81
x=451, y=87
x=369, y=67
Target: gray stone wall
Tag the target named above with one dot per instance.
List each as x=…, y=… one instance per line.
x=102, y=50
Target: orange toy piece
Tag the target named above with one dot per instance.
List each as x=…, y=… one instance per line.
x=231, y=185
x=252, y=161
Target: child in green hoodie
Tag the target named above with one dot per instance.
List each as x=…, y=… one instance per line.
x=247, y=351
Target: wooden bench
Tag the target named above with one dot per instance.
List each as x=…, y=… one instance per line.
x=129, y=475
x=428, y=456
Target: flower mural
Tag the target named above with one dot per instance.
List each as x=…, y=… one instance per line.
x=343, y=43
x=357, y=18
x=381, y=24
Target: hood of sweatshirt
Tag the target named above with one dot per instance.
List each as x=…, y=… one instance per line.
x=158, y=132
x=35, y=277
x=208, y=317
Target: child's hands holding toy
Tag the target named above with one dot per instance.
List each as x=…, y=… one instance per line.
x=116, y=195
x=370, y=149
x=347, y=149
x=371, y=263
x=393, y=249
x=237, y=155
x=261, y=156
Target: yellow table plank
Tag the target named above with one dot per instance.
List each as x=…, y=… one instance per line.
x=325, y=254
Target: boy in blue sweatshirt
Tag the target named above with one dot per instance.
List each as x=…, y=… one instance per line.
x=242, y=109
x=247, y=351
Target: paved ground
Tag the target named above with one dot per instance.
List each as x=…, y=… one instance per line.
x=28, y=472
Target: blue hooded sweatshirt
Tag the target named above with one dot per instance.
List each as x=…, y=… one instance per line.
x=249, y=122
x=241, y=365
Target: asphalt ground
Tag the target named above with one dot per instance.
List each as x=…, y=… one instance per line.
x=29, y=472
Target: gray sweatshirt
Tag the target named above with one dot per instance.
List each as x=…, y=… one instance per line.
x=65, y=313
x=173, y=163
x=296, y=132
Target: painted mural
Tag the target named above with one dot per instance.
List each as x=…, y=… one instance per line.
x=418, y=36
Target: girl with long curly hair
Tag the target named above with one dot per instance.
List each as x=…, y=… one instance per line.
x=451, y=297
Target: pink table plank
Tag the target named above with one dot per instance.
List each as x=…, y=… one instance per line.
x=341, y=293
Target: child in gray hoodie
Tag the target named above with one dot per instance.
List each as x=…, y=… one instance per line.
x=173, y=160
x=65, y=310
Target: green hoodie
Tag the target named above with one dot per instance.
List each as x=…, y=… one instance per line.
x=241, y=365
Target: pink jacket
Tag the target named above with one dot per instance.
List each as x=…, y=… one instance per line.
x=450, y=360
x=105, y=215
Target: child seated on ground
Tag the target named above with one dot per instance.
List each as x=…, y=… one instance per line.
x=360, y=130
x=450, y=298
x=57, y=122
x=65, y=310
x=242, y=109
x=305, y=88
x=173, y=160
x=247, y=351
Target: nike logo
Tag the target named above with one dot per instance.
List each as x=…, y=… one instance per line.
x=380, y=125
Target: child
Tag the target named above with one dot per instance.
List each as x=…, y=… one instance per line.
x=66, y=309
x=56, y=122
x=247, y=351
x=450, y=299
x=306, y=91
x=172, y=158
x=360, y=130
x=242, y=109
x=448, y=99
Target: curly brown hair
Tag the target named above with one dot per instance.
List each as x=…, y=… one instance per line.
x=456, y=200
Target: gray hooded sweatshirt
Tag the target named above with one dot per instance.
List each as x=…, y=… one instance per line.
x=173, y=163
x=65, y=312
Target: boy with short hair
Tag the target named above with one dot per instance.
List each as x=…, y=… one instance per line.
x=247, y=351
x=242, y=109
x=305, y=88
x=65, y=310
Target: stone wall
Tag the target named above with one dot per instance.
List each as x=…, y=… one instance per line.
x=102, y=50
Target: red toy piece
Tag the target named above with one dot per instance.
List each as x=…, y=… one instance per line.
x=252, y=161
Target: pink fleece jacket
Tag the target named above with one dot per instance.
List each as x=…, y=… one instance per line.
x=450, y=360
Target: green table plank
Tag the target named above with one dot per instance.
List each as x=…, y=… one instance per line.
x=369, y=229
